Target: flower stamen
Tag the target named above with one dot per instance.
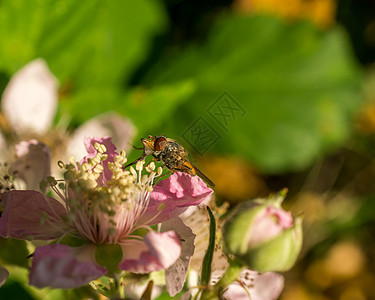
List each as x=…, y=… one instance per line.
x=104, y=202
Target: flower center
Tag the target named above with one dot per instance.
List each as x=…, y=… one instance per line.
x=104, y=202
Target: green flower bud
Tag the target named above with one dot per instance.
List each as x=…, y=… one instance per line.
x=263, y=236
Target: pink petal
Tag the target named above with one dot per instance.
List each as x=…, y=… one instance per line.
x=61, y=266
x=269, y=224
x=120, y=129
x=236, y=292
x=173, y=196
x=32, y=164
x=106, y=141
x=111, y=152
x=24, y=214
x=3, y=275
x=158, y=251
x=175, y=275
x=266, y=286
x=29, y=101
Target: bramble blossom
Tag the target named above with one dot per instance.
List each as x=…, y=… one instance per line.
x=102, y=218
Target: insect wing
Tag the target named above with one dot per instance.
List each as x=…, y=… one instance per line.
x=201, y=175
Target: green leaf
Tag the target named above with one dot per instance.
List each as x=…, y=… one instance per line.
x=207, y=260
x=293, y=89
x=21, y=23
x=71, y=241
x=14, y=290
x=14, y=252
x=141, y=105
x=86, y=43
x=101, y=42
x=17, y=287
x=150, y=107
x=109, y=256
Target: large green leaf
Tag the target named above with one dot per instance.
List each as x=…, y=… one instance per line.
x=145, y=107
x=87, y=43
x=293, y=86
x=21, y=23
x=101, y=42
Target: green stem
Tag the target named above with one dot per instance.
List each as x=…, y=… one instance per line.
x=231, y=274
x=116, y=290
x=122, y=292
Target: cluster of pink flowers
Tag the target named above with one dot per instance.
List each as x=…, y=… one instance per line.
x=101, y=220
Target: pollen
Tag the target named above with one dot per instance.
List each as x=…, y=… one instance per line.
x=100, y=147
x=150, y=167
x=99, y=188
x=139, y=165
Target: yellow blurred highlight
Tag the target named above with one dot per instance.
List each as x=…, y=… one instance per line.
x=344, y=261
x=300, y=292
x=234, y=178
x=318, y=276
x=320, y=12
x=351, y=293
x=366, y=120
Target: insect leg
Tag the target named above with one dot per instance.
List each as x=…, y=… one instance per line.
x=168, y=173
x=135, y=147
x=134, y=162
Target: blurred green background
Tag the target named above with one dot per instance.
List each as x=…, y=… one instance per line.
x=264, y=95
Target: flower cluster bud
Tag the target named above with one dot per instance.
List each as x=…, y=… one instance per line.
x=263, y=236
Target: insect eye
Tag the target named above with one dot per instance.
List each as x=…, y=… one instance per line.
x=160, y=143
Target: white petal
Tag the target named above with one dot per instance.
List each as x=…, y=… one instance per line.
x=29, y=101
x=175, y=275
x=110, y=124
x=32, y=163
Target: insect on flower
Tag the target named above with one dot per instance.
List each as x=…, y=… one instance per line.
x=171, y=154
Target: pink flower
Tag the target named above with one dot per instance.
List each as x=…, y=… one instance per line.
x=101, y=219
x=269, y=223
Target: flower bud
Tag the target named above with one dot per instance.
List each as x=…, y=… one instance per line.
x=263, y=236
